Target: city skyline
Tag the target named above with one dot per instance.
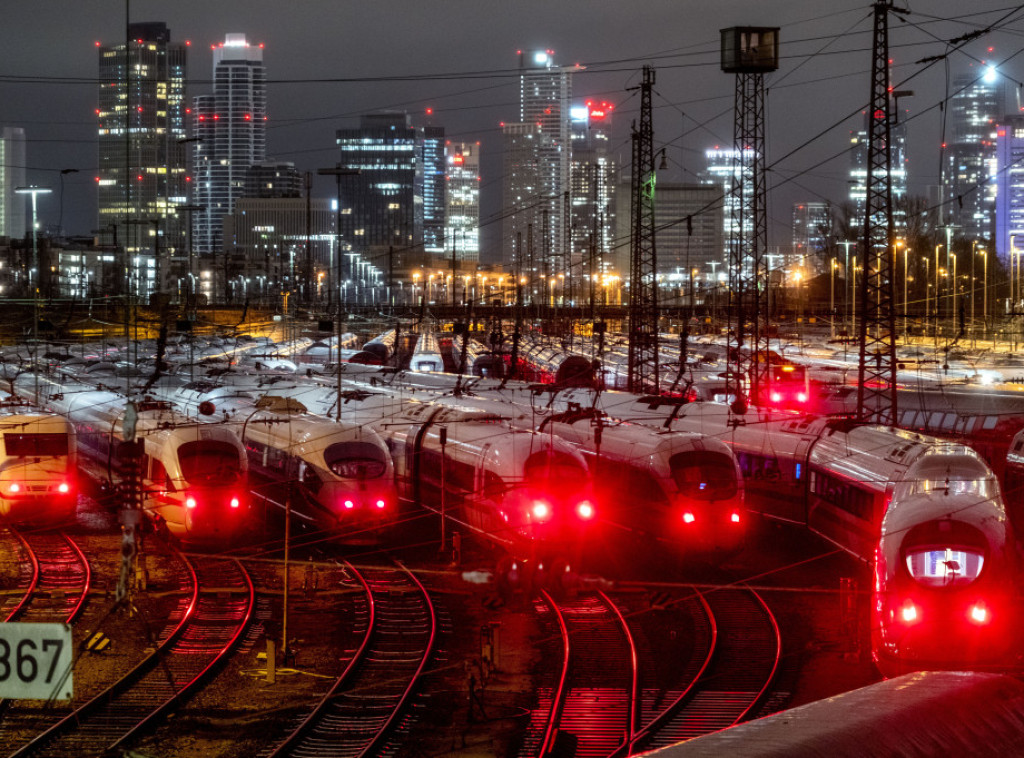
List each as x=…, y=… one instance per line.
x=322, y=82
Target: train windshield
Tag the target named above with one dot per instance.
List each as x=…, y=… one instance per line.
x=25, y=445
x=355, y=460
x=704, y=475
x=209, y=462
x=945, y=567
x=558, y=474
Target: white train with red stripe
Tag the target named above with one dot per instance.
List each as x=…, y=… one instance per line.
x=38, y=483
x=194, y=477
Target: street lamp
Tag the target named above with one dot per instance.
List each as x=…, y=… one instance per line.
x=832, y=298
x=34, y=283
x=937, y=248
x=984, y=309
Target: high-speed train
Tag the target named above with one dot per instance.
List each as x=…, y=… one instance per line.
x=194, y=476
x=527, y=492
x=426, y=356
x=336, y=476
x=928, y=514
x=38, y=481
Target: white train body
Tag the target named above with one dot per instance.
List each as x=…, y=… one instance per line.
x=338, y=475
x=427, y=354
x=194, y=476
x=38, y=477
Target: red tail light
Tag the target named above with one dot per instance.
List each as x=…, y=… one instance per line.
x=349, y=504
x=735, y=518
x=802, y=397
x=235, y=502
x=14, y=488
x=908, y=613
x=689, y=518
x=381, y=503
x=585, y=510
x=978, y=613
x=541, y=510
x=776, y=397
x=190, y=502
x=64, y=488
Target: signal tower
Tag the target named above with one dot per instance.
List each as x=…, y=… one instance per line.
x=749, y=52
x=876, y=392
x=643, y=267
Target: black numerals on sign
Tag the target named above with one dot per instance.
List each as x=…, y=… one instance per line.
x=25, y=664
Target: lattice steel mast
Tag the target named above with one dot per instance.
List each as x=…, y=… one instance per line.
x=643, y=268
x=876, y=392
x=749, y=52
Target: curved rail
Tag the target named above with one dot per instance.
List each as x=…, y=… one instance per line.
x=209, y=628
x=366, y=703
x=659, y=721
x=746, y=658
x=597, y=708
x=30, y=582
x=558, y=697
x=316, y=714
x=59, y=566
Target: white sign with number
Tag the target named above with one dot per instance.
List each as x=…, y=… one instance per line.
x=35, y=661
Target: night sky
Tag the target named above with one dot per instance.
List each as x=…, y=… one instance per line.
x=329, y=61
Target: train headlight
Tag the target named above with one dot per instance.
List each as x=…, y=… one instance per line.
x=776, y=397
x=190, y=502
x=349, y=505
x=541, y=510
x=64, y=488
x=585, y=510
x=689, y=518
x=908, y=613
x=14, y=488
x=978, y=613
x=381, y=504
x=802, y=397
x=735, y=517
x=235, y=502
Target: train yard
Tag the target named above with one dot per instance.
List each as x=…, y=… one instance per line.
x=360, y=560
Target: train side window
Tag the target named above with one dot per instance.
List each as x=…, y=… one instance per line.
x=990, y=422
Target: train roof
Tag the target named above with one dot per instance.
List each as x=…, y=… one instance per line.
x=926, y=713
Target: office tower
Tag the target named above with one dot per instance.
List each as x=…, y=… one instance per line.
x=142, y=175
x=690, y=229
x=230, y=132
x=12, y=175
x=722, y=165
x=267, y=239
x=1010, y=193
x=812, y=228
x=969, y=157
x=536, y=194
x=431, y=169
x=898, y=176
x=462, y=225
x=274, y=179
x=383, y=202
x=593, y=189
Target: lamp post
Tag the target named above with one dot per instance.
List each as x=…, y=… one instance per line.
x=974, y=287
x=937, y=248
x=954, y=312
x=34, y=283
x=832, y=298
x=984, y=293
x=927, y=299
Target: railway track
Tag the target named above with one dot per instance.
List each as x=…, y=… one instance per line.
x=615, y=693
x=54, y=577
x=731, y=685
x=365, y=709
x=216, y=604
x=589, y=710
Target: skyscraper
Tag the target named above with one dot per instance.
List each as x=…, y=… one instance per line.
x=535, y=200
x=431, y=168
x=722, y=166
x=593, y=189
x=858, y=181
x=12, y=175
x=231, y=128
x=462, y=225
x=383, y=202
x=1010, y=195
x=812, y=225
x=968, y=168
x=142, y=175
